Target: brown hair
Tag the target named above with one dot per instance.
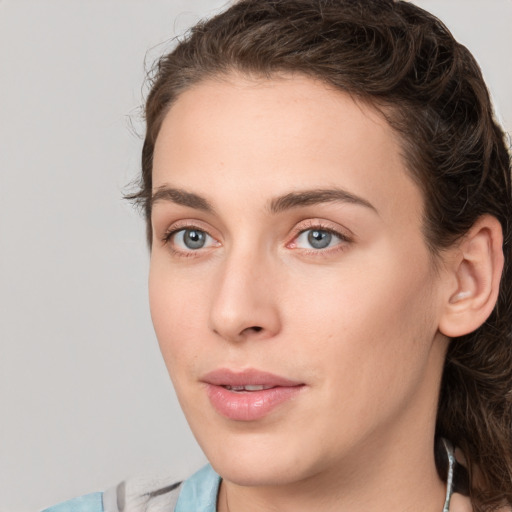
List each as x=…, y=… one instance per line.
x=407, y=64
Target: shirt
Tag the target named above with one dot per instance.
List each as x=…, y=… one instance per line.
x=196, y=494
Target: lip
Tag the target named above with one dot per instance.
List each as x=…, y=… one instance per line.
x=248, y=405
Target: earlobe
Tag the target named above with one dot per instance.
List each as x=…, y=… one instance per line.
x=477, y=269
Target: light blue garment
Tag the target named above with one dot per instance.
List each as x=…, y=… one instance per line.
x=197, y=494
x=88, y=503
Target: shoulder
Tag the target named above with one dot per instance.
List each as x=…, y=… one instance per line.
x=138, y=494
x=88, y=503
x=150, y=495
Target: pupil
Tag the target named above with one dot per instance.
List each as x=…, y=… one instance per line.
x=194, y=239
x=319, y=239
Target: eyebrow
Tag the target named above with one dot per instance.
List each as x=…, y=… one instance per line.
x=317, y=196
x=181, y=197
x=279, y=204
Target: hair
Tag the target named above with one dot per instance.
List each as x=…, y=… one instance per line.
x=404, y=62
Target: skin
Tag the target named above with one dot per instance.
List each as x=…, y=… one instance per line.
x=357, y=322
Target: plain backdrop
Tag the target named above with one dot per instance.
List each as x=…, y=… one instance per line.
x=85, y=398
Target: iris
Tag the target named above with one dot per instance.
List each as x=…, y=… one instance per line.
x=319, y=239
x=193, y=238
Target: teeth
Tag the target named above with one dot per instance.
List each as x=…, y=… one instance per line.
x=258, y=387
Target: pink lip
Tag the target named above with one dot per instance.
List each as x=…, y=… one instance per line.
x=248, y=405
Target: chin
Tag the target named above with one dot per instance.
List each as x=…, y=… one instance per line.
x=263, y=474
x=258, y=459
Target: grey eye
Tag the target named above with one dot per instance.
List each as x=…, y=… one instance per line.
x=319, y=239
x=192, y=239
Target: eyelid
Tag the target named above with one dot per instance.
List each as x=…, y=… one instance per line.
x=176, y=226
x=324, y=225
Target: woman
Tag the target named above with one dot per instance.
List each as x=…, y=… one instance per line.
x=328, y=205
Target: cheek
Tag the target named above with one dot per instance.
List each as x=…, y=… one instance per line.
x=177, y=313
x=373, y=322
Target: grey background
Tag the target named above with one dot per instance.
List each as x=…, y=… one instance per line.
x=85, y=399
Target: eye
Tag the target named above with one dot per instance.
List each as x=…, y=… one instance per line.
x=190, y=239
x=317, y=238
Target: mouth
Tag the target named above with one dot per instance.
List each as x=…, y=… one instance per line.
x=249, y=379
x=249, y=395
x=250, y=388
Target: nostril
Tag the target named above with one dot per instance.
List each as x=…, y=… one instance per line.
x=256, y=328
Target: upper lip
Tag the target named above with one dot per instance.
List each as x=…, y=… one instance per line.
x=247, y=377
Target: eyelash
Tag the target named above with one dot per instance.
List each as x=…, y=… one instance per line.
x=309, y=225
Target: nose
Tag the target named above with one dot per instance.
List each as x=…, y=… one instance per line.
x=244, y=304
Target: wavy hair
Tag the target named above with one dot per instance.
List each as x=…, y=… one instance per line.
x=406, y=63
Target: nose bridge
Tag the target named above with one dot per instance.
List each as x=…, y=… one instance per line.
x=243, y=303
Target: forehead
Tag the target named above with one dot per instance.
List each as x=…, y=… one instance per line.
x=257, y=137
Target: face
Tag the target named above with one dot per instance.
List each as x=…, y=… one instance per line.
x=291, y=289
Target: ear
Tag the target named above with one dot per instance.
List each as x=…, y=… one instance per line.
x=476, y=264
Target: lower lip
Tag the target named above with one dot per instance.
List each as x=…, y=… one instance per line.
x=249, y=405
